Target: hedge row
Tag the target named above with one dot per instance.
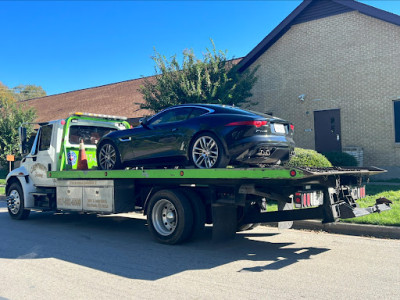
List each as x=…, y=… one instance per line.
x=311, y=158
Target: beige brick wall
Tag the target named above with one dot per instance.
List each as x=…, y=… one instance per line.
x=349, y=62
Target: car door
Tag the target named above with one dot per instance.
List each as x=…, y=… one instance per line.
x=160, y=138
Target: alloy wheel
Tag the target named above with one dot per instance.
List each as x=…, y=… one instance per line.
x=107, y=157
x=205, y=152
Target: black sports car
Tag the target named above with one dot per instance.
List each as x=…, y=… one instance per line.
x=203, y=135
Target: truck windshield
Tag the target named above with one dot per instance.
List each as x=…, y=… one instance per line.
x=90, y=134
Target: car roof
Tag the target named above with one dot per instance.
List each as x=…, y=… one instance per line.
x=221, y=108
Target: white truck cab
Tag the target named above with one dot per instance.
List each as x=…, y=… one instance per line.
x=55, y=148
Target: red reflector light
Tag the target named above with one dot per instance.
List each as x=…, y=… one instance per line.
x=293, y=173
x=248, y=123
x=297, y=200
x=362, y=192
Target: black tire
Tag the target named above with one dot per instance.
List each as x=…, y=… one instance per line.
x=170, y=217
x=206, y=151
x=240, y=215
x=18, y=211
x=246, y=227
x=108, y=157
x=199, y=213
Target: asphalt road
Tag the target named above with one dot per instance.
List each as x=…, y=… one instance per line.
x=74, y=256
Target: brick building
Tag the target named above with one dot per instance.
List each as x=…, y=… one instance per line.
x=332, y=67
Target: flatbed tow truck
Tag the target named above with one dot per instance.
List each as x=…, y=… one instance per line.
x=178, y=202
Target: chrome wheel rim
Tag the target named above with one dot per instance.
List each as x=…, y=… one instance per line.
x=17, y=202
x=205, y=152
x=107, y=157
x=164, y=217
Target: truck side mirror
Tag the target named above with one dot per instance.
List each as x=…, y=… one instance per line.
x=23, y=147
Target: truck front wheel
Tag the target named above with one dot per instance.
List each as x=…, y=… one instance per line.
x=16, y=207
x=170, y=217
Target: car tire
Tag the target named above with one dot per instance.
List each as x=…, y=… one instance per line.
x=170, y=217
x=17, y=211
x=199, y=213
x=108, y=157
x=207, y=151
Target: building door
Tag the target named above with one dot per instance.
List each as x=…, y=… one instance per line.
x=327, y=130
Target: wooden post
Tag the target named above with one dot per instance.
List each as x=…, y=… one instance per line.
x=10, y=159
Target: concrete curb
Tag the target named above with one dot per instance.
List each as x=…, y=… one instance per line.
x=391, y=232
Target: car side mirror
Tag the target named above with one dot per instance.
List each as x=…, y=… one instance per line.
x=144, y=122
x=23, y=146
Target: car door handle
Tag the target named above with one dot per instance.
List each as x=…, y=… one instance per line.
x=125, y=140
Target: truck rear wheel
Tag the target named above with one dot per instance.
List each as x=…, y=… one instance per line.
x=170, y=217
x=199, y=213
x=16, y=207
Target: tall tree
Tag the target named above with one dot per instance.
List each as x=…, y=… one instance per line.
x=212, y=79
x=6, y=94
x=28, y=91
x=12, y=115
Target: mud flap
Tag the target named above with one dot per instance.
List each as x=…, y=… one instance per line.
x=224, y=222
x=283, y=205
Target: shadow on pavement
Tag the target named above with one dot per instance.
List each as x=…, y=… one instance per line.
x=123, y=246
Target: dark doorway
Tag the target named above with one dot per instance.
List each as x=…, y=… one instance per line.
x=327, y=130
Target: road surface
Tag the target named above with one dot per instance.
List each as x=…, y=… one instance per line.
x=71, y=256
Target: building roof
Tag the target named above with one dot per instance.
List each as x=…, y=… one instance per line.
x=310, y=10
x=121, y=99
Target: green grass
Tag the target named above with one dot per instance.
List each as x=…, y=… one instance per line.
x=387, y=218
x=3, y=175
x=2, y=181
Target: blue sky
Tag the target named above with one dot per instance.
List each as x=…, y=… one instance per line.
x=64, y=46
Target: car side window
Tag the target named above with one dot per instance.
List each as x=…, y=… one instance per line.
x=172, y=115
x=197, y=112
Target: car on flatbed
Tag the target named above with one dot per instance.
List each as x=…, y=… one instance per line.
x=199, y=135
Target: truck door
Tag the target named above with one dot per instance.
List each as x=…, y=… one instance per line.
x=41, y=158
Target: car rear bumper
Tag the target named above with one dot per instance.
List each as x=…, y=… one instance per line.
x=265, y=154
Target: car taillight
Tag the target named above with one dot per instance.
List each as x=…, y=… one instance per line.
x=308, y=199
x=291, y=127
x=358, y=192
x=248, y=123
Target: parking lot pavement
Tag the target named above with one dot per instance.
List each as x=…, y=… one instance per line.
x=66, y=256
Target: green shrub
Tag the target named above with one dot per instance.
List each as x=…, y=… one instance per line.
x=341, y=159
x=308, y=158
